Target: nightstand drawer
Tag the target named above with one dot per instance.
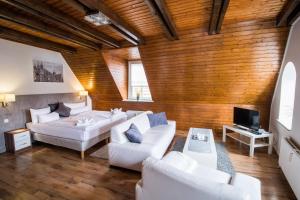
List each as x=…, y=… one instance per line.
x=22, y=145
x=23, y=140
x=21, y=136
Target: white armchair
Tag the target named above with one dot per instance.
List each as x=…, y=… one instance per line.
x=178, y=177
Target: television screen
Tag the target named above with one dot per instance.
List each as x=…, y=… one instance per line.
x=246, y=118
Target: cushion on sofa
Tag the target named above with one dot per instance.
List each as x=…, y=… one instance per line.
x=157, y=119
x=63, y=110
x=133, y=134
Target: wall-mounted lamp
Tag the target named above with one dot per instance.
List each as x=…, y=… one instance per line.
x=83, y=93
x=7, y=98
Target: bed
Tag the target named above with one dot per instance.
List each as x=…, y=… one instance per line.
x=65, y=132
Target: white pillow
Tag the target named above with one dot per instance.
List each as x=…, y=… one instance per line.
x=36, y=112
x=75, y=111
x=48, y=117
x=75, y=105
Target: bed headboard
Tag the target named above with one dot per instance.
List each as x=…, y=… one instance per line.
x=18, y=112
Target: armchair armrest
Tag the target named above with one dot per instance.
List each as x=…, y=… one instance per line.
x=251, y=186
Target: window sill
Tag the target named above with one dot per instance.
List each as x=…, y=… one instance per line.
x=138, y=101
x=281, y=124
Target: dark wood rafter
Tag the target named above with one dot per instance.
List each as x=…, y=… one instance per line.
x=219, y=9
x=118, y=23
x=294, y=16
x=161, y=12
x=43, y=27
x=223, y=10
x=289, y=13
x=17, y=36
x=46, y=12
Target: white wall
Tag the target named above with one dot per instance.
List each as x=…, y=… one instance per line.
x=292, y=54
x=16, y=70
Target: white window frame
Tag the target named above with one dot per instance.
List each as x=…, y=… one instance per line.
x=130, y=98
x=284, y=123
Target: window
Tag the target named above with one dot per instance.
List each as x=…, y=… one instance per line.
x=287, y=95
x=138, y=88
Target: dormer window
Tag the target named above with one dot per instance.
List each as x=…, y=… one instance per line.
x=138, y=88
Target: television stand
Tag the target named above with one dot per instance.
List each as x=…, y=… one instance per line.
x=248, y=138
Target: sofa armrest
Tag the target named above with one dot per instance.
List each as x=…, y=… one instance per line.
x=250, y=185
x=128, y=155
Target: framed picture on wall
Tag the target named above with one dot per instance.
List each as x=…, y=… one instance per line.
x=44, y=71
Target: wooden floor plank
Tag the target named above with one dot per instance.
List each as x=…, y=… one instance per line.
x=52, y=173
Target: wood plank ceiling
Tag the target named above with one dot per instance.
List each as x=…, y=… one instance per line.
x=196, y=79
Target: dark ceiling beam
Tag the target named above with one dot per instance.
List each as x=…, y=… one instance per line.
x=294, y=16
x=223, y=10
x=44, y=28
x=287, y=13
x=118, y=23
x=17, y=36
x=161, y=12
x=219, y=9
x=46, y=12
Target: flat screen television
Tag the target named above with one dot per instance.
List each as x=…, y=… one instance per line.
x=246, y=118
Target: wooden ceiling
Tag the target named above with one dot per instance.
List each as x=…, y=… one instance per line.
x=62, y=21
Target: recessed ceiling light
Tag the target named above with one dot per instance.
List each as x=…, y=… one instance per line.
x=97, y=18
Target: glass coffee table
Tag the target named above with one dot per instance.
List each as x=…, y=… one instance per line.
x=200, y=145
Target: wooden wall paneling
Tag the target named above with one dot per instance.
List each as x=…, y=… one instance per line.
x=117, y=63
x=23, y=29
x=118, y=23
x=245, y=10
x=118, y=68
x=137, y=14
x=160, y=11
x=78, y=12
x=21, y=37
x=35, y=25
x=48, y=13
x=199, y=79
x=190, y=14
x=91, y=70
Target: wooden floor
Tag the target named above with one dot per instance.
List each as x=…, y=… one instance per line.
x=48, y=172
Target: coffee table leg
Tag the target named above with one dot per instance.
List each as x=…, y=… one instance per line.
x=270, y=148
x=224, y=134
x=252, y=143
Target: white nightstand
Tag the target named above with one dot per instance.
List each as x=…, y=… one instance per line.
x=17, y=140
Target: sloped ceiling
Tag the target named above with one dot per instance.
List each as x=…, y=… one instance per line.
x=197, y=79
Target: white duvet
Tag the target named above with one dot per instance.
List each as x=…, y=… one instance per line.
x=102, y=121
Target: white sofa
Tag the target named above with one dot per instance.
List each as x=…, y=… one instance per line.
x=179, y=177
x=156, y=140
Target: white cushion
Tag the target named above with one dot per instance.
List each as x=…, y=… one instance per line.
x=48, y=117
x=75, y=111
x=189, y=165
x=180, y=161
x=36, y=112
x=141, y=121
x=75, y=105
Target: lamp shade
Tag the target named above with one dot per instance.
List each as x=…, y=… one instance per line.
x=83, y=93
x=7, y=98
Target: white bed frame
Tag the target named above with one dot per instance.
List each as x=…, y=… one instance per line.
x=77, y=145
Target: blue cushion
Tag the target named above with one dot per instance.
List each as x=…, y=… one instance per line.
x=157, y=119
x=133, y=134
